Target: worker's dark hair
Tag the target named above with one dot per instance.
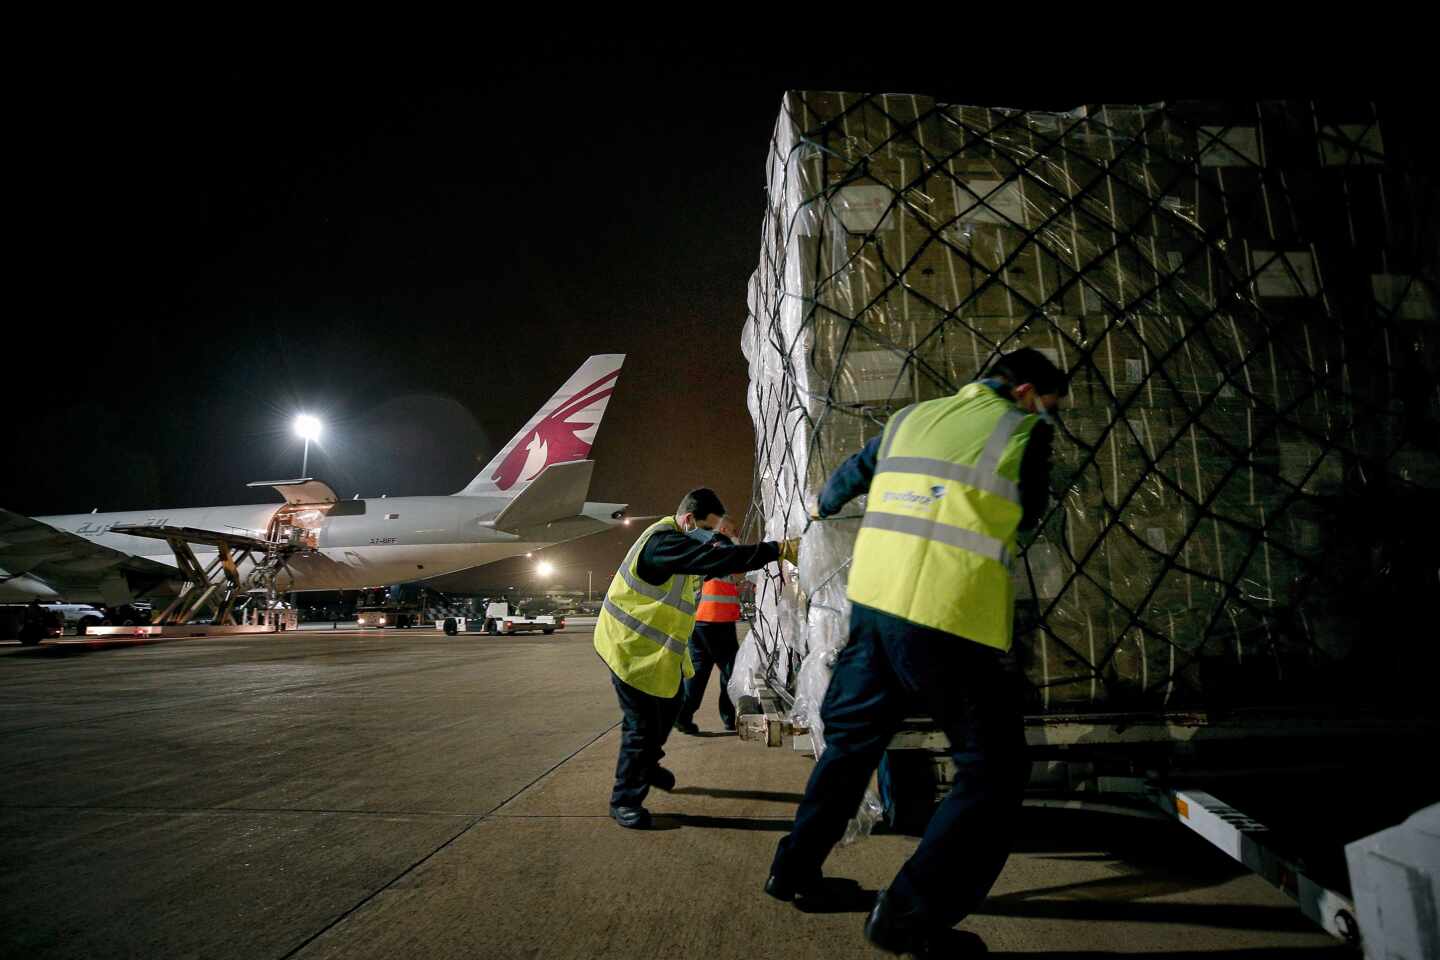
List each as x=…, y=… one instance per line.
x=1027, y=365
x=702, y=502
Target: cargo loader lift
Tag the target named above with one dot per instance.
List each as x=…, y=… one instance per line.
x=245, y=568
x=217, y=585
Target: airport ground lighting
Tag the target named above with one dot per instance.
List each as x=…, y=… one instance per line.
x=544, y=568
x=308, y=428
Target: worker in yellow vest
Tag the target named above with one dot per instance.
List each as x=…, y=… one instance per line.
x=714, y=643
x=950, y=482
x=644, y=626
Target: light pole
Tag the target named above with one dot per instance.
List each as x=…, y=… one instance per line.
x=307, y=427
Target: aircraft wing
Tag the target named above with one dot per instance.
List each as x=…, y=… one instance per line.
x=68, y=562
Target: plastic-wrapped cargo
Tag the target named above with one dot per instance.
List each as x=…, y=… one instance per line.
x=1245, y=299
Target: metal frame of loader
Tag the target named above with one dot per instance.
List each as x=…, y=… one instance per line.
x=217, y=585
x=1152, y=794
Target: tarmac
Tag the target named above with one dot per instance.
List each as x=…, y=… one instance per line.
x=404, y=794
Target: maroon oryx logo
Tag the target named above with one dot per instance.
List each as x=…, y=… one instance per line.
x=555, y=439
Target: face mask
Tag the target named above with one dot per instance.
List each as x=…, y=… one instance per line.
x=1032, y=405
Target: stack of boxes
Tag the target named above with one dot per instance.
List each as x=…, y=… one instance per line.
x=1233, y=290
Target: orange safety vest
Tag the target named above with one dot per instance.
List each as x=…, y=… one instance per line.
x=719, y=602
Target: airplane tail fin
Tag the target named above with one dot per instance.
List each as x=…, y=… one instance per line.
x=561, y=432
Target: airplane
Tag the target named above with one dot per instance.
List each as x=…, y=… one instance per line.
x=531, y=495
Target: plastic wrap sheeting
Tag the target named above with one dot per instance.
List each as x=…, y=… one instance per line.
x=1245, y=301
x=749, y=664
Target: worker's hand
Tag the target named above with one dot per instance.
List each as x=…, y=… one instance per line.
x=790, y=550
x=812, y=507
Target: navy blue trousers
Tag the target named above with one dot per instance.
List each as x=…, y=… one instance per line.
x=890, y=670
x=711, y=645
x=643, y=730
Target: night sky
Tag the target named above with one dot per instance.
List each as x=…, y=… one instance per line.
x=418, y=254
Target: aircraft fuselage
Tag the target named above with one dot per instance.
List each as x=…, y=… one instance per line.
x=352, y=543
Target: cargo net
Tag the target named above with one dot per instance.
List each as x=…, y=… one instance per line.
x=1244, y=298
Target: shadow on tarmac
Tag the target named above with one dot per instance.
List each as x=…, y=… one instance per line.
x=1250, y=953
x=673, y=821
x=842, y=895
x=740, y=794
x=1156, y=848
x=80, y=648
x=77, y=644
x=1225, y=916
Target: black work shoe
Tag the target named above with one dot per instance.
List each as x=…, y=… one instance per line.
x=662, y=779
x=882, y=930
x=821, y=894
x=780, y=888
x=811, y=895
x=687, y=727
x=636, y=818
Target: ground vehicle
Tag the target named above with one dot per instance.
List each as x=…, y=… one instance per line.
x=129, y=615
x=13, y=625
x=400, y=606
x=77, y=616
x=500, y=618
x=386, y=616
x=140, y=610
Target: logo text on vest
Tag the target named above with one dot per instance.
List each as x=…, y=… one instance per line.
x=909, y=498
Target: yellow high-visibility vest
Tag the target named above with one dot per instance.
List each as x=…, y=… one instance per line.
x=643, y=630
x=936, y=543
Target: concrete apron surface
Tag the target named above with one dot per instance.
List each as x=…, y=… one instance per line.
x=550, y=875
x=372, y=797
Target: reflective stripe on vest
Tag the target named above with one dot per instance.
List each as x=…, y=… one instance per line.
x=719, y=602
x=643, y=629
x=973, y=476
x=987, y=547
x=936, y=543
x=674, y=597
